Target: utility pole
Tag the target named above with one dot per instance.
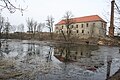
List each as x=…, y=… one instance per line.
x=111, y=28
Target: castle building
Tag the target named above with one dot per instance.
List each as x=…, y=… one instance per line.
x=84, y=27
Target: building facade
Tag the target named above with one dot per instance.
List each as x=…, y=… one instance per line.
x=84, y=27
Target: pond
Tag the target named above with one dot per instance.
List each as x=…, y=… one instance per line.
x=39, y=60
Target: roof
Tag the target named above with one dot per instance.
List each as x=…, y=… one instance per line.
x=83, y=19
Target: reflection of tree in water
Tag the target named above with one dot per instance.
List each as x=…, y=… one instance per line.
x=31, y=49
x=20, y=51
x=40, y=51
x=1, y=53
x=82, y=55
x=34, y=49
x=73, y=53
x=5, y=48
x=30, y=52
x=0, y=44
x=49, y=55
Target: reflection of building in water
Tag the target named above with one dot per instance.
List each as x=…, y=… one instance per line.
x=81, y=54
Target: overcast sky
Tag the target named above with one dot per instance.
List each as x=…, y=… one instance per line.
x=40, y=9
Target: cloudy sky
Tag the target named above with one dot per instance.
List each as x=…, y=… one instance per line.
x=40, y=9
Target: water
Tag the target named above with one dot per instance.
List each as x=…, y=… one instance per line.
x=34, y=60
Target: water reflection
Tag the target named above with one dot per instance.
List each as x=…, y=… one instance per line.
x=80, y=54
x=109, y=61
x=31, y=49
x=49, y=55
x=65, y=61
x=73, y=53
x=4, y=49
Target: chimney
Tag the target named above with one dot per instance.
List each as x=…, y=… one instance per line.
x=111, y=28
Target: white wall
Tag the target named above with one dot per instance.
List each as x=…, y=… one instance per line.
x=98, y=30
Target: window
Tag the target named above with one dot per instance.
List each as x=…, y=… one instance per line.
x=81, y=53
x=81, y=25
x=77, y=31
x=62, y=27
x=56, y=27
x=102, y=25
x=70, y=31
x=76, y=26
x=93, y=24
x=82, y=31
x=88, y=32
x=72, y=26
x=87, y=25
x=67, y=31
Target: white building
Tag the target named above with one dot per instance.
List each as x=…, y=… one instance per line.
x=84, y=27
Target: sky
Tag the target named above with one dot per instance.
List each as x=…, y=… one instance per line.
x=40, y=9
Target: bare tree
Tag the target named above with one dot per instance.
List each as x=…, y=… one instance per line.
x=116, y=14
x=8, y=4
x=40, y=28
x=13, y=28
x=20, y=30
x=68, y=21
x=7, y=29
x=117, y=21
x=49, y=24
x=32, y=26
x=1, y=27
x=2, y=23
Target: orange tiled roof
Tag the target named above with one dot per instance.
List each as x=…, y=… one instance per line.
x=84, y=19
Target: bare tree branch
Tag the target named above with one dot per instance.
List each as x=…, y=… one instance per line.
x=49, y=24
x=10, y=6
x=68, y=21
x=40, y=27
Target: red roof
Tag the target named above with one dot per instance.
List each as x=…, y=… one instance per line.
x=84, y=19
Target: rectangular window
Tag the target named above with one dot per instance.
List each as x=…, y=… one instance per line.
x=62, y=27
x=87, y=25
x=102, y=25
x=72, y=26
x=70, y=31
x=77, y=31
x=81, y=25
x=93, y=24
x=76, y=26
x=88, y=32
x=82, y=31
